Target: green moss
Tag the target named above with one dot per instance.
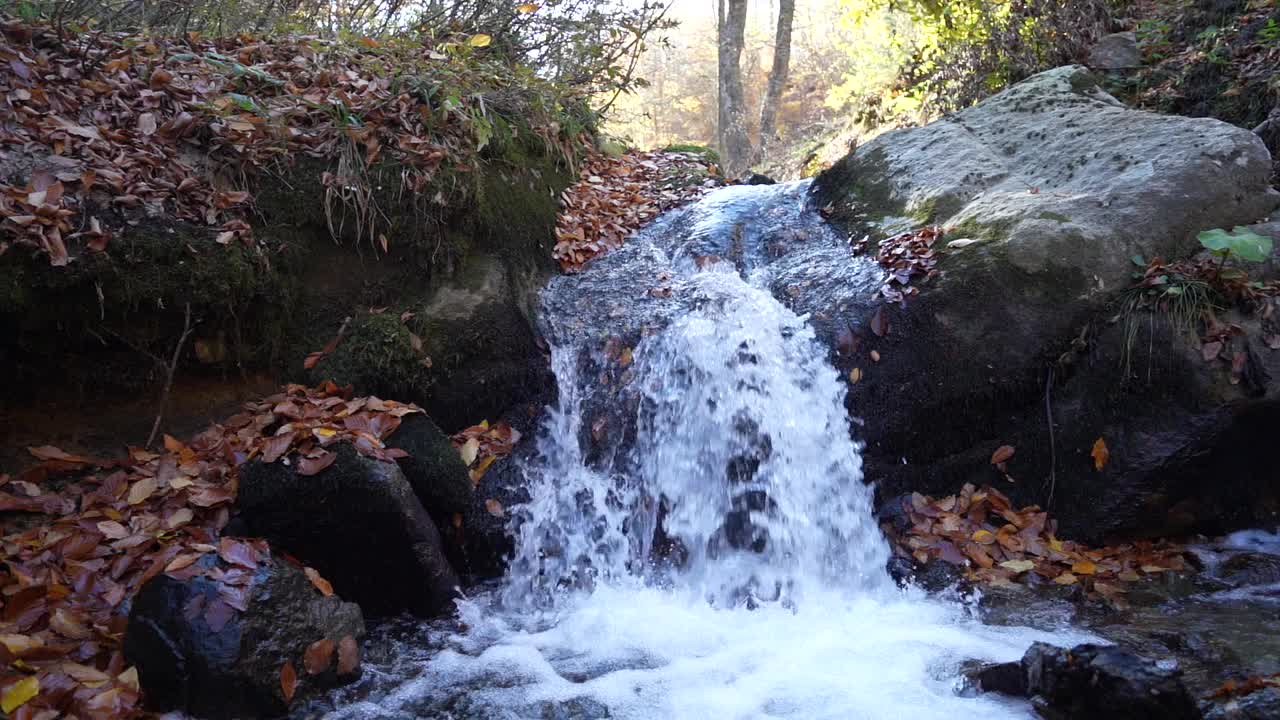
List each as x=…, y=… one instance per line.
x=925, y=212
x=996, y=231
x=1056, y=217
x=709, y=154
x=378, y=356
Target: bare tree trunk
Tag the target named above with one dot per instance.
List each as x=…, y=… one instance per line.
x=731, y=28
x=777, y=78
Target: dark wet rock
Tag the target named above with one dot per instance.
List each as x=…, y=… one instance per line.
x=757, y=179
x=1263, y=704
x=1004, y=678
x=575, y=709
x=1089, y=682
x=933, y=576
x=359, y=523
x=1118, y=51
x=895, y=514
x=487, y=538
x=1022, y=339
x=198, y=655
x=433, y=468
x=477, y=538
x=1249, y=569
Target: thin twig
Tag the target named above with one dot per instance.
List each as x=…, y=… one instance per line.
x=1053, y=450
x=187, y=329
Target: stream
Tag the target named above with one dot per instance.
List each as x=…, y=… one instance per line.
x=700, y=540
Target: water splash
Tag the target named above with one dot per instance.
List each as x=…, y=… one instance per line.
x=715, y=555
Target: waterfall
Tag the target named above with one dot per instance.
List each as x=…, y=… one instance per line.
x=712, y=552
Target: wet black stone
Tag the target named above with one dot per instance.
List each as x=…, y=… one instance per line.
x=1004, y=678
x=1261, y=705
x=185, y=664
x=485, y=542
x=933, y=576
x=360, y=524
x=1092, y=682
x=433, y=468
x=1249, y=569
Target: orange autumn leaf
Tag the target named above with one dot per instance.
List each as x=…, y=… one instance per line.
x=288, y=681
x=1002, y=454
x=1100, y=454
x=324, y=586
x=318, y=656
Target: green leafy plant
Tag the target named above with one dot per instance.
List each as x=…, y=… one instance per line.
x=1270, y=32
x=1241, y=242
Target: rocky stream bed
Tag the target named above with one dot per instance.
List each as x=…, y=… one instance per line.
x=898, y=441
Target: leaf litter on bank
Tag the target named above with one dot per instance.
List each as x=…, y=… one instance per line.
x=615, y=196
x=111, y=118
x=113, y=524
x=996, y=544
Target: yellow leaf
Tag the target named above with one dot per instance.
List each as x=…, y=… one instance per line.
x=1055, y=544
x=17, y=694
x=855, y=375
x=1100, y=454
x=129, y=678
x=984, y=537
x=1065, y=579
x=1018, y=566
x=480, y=40
x=142, y=490
x=1153, y=569
x=19, y=644
x=478, y=471
x=469, y=450
x=325, y=432
x=1084, y=567
x=526, y=8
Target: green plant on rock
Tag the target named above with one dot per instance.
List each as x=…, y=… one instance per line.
x=1241, y=242
x=1270, y=32
x=1191, y=291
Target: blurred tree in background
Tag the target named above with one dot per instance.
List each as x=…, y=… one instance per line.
x=856, y=67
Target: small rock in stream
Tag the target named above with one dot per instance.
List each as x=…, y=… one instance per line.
x=197, y=654
x=1091, y=682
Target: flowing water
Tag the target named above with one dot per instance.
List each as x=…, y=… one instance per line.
x=700, y=541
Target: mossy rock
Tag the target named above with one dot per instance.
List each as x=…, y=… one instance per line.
x=708, y=154
x=102, y=325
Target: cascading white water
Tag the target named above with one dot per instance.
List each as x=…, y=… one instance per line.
x=774, y=602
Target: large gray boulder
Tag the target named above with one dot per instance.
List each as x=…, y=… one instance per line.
x=1048, y=191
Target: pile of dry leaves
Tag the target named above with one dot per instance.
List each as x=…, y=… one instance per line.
x=615, y=196
x=111, y=525
x=121, y=127
x=980, y=531
x=906, y=256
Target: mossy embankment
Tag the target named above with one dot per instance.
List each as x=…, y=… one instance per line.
x=429, y=272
